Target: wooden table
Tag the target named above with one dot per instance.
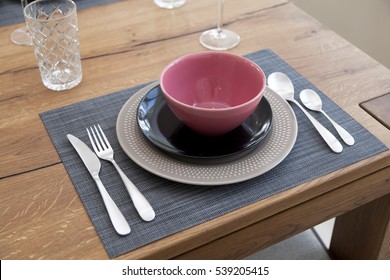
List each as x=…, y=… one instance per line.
x=129, y=42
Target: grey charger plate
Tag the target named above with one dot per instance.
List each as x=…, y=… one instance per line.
x=268, y=154
x=162, y=128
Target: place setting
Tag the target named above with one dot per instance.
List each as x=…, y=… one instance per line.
x=189, y=176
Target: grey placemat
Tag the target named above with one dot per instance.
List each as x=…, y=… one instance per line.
x=11, y=10
x=180, y=206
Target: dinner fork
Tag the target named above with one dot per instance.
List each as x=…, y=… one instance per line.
x=104, y=151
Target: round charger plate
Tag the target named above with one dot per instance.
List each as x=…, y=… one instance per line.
x=162, y=128
x=268, y=154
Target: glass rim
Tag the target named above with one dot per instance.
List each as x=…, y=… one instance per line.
x=27, y=16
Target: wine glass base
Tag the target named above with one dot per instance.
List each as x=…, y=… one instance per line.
x=219, y=40
x=169, y=4
x=21, y=37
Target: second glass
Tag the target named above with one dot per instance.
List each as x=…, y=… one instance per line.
x=219, y=39
x=169, y=4
x=21, y=36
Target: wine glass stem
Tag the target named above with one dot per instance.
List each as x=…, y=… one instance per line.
x=219, y=16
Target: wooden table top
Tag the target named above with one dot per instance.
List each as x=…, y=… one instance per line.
x=127, y=43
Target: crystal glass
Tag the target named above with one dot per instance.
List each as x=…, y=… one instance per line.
x=219, y=39
x=21, y=36
x=53, y=28
x=169, y=4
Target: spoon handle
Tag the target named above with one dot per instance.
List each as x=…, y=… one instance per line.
x=329, y=138
x=345, y=135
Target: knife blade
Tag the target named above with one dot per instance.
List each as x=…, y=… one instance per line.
x=93, y=165
x=89, y=158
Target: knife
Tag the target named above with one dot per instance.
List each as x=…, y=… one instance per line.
x=93, y=165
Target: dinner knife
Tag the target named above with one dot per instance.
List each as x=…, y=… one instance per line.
x=93, y=165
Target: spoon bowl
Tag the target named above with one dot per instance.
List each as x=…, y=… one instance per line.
x=282, y=84
x=311, y=100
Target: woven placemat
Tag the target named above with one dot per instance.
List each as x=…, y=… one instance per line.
x=11, y=11
x=179, y=206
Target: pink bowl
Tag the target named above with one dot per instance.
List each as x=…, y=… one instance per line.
x=212, y=92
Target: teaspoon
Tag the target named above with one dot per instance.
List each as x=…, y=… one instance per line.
x=313, y=102
x=282, y=84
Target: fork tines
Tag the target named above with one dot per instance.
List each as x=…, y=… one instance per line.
x=99, y=142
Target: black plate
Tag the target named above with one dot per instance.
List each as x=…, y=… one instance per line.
x=161, y=127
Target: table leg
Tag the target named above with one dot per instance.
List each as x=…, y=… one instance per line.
x=363, y=233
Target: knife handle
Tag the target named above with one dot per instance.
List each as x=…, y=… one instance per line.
x=117, y=219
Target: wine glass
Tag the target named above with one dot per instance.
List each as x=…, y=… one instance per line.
x=169, y=4
x=21, y=36
x=219, y=39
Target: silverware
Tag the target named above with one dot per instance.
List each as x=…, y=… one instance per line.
x=282, y=84
x=313, y=102
x=104, y=151
x=93, y=165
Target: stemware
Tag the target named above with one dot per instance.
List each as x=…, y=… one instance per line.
x=219, y=38
x=21, y=36
x=169, y=4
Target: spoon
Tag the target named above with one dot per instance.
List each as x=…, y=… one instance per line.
x=282, y=84
x=313, y=102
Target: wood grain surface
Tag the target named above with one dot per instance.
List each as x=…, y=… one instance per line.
x=379, y=108
x=129, y=42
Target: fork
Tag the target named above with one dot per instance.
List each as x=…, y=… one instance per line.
x=104, y=151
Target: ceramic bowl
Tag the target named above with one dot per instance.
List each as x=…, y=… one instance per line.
x=212, y=92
